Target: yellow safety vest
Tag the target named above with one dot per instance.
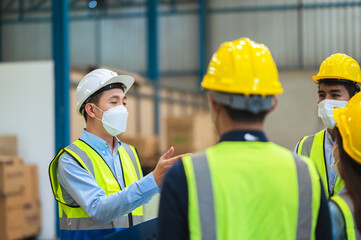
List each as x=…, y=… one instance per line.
x=73, y=217
x=251, y=190
x=314, y=147
x=344, y=202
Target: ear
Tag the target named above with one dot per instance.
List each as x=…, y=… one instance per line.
x=212, y=103
x=89, y=108
x=275, y=103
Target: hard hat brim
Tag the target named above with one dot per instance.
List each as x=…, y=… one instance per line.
x=317, y=79
x=338, y=115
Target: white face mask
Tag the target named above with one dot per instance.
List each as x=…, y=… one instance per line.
x=114, y=120
x=325, y=111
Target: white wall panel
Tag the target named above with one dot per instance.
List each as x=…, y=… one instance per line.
x=178, y=43
x=23, y=42
x=82, y=42
x=327, y=31
x=248, y=3
x=27, y=103
x=276, y=29
x=123, y=44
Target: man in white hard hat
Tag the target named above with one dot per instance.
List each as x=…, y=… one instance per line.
x=97, y=180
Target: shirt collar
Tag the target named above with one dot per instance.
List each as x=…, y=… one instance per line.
x=329, y=137
x=244, y=135
x=96, y=141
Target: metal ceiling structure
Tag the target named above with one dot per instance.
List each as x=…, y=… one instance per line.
x=24, y=8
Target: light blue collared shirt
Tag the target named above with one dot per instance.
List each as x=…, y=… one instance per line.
x=81, y=187
x=332, y=176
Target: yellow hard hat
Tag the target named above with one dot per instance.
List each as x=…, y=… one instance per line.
x=339, y=66
x=349, y=124
x=243, y=67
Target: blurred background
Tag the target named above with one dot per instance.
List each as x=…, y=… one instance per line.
x=47, y=46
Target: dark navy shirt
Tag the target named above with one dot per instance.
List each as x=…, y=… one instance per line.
x=173, y=208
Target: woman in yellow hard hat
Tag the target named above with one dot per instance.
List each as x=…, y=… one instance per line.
x=345, y=208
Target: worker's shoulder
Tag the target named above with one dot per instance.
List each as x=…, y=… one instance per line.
x=124, y=144
x=311, y=136
x=249, y=146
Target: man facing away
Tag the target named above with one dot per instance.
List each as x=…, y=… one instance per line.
x=244, y=187
x=97, y=180
x=338, y=79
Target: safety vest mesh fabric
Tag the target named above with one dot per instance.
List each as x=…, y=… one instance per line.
x=251, y=190
x=345, y=204
x=314, y=147
x=73, y=217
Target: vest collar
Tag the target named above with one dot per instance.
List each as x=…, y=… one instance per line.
x=244, y=135
x=97, y=142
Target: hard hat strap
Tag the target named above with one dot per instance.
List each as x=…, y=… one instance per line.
x=253, y=104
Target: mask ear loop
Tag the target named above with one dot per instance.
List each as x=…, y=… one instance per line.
x=99, y=110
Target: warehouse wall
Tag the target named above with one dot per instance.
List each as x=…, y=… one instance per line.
x=23, y=42
x=119, y=40
x=27, y=107
x=328, y=29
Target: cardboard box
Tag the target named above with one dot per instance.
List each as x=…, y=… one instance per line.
x=8, y=145
x=32, y=218
x=32, y=210
x=11, y=175
x=12, y=217
x=31, y=188
x=147, y=146
x=189, y=134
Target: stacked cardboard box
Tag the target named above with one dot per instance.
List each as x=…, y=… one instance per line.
x=189, y=134
x=19, y=194
x=32, y=211
x=11, y=198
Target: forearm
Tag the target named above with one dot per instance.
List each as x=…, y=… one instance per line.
x=81, y=187
x=104, y=208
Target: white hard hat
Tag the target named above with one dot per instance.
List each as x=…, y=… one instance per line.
x=96, y=80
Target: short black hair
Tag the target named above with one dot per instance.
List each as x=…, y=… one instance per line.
x=95, y=97
x=245, y=116
x=351, y=87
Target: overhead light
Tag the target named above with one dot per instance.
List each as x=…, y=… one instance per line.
x=92, y=4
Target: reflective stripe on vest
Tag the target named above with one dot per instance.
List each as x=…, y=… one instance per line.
x=201, y=189
x=205, y=197
x=74, y=217
x=314, y=147
x=344, y=202
x=90, y=224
